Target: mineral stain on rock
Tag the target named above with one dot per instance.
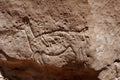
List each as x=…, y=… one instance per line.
x=18, y=69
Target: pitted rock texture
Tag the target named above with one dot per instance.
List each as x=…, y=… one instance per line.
x=55, y=31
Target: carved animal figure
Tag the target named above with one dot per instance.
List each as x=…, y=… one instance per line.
x=16, y=69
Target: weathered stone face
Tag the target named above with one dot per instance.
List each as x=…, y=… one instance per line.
x=54, y=31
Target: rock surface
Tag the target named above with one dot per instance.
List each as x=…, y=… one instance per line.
x=54, y=31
